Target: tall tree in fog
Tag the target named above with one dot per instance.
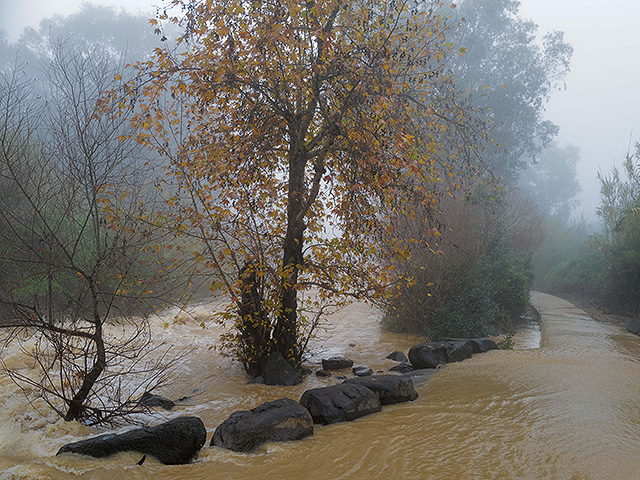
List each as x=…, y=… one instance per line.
x=318, y=124
x=511, y=75
x=118, y=33
x=552, y=180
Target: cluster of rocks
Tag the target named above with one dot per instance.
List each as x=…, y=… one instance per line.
x=285, y=419
x=179, y=440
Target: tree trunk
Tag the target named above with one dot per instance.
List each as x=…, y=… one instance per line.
x=254, y=328
x=77, y=408
x=286, y=327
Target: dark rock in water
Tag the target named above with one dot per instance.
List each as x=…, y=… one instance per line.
x=306, y=371
x=389, y=388
x=323, y=373
x=341, y=377
x=427, y=356
x=402, y=368
x=482, y=345
x=479, y=345
x=352, y=344
x=278, y=421
x=278, y=371
x=174, y=442
x=340, y=403
x=336, y=363
x=150, y=400
x=362, y=371
x=398, y=357
x=634, y=326
x=256, y=381
x=435, y=354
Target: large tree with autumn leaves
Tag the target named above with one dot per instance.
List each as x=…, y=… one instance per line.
x=297, y=133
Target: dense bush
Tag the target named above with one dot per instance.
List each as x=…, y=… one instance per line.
x=620, y=241
x=582, y=275
x=473, y=279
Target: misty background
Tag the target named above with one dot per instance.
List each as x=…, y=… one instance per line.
x=544, y=148
x=597, y=111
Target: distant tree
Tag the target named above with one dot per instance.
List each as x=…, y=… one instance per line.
x=552, y=181
x=511, y=76
x=297, y=127
x=120, y=34
x=80, y=289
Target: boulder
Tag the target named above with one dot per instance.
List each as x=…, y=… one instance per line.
x=362, y=371
x=323, y=373
x=336, y=363
x=389, y=388
x=340, y=403
x=278, y=421
x=479, y=345
x=398, y=357
x=401, y=368
x=435, y=354
x=174, y=442
x=482, y=345
x=278, y=371
x=634, y=326
x=150, y=400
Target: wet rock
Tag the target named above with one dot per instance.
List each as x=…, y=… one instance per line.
x=174, y=442
x=362, y=371
x=323, y=373
x=278, y=371
x=634, y=326
x=150, y=400
x=336, y=363
x=279, y=421
x=389, y=388
x=401, y=367
x=256, y=381
x=398, y=357
x=479, y=345
x=482, y=345
x=340, y=403
x=435, y=354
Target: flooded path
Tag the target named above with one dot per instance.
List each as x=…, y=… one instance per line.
x=568, y=409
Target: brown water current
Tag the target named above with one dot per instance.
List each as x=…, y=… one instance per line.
x=564, y=404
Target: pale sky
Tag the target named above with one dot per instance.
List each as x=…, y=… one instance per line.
x=597, y=112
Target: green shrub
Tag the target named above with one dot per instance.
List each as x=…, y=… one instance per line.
x=478, y=281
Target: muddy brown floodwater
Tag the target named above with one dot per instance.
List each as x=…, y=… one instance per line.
x=565, y=404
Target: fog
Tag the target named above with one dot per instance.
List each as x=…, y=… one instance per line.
x=597, y=112
x=600, y=109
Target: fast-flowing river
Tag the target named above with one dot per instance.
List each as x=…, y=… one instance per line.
x=564, y=404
